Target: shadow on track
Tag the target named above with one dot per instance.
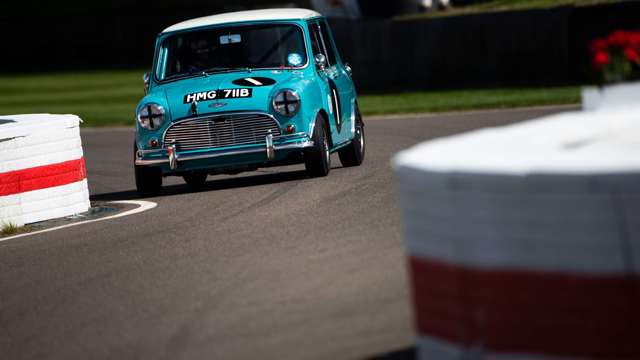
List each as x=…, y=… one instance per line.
x=402, y=354
x=211, y=185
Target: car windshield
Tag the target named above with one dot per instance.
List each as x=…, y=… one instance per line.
x=231, y=48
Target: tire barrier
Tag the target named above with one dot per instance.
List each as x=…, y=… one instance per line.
x=42, y=170
x=524, y=241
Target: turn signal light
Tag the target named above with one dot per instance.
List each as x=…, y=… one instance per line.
x=153, y=143
x=291, y=129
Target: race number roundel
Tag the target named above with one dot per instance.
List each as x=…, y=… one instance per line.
x=294, y=59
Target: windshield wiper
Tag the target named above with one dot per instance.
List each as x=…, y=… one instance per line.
x=226, y=69
x=206, y=73
x=183, y=76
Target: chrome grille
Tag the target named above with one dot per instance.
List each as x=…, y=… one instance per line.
x=221, y=131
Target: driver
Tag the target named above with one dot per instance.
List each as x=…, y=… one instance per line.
x=199, y=56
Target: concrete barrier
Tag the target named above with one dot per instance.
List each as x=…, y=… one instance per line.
x=524, y=241
x=42, y=171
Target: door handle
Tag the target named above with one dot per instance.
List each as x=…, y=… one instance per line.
x=348, y=69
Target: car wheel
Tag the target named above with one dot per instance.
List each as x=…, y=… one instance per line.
x=317, y=159
x=196, y=179
x=148, y=178
x=353, y=154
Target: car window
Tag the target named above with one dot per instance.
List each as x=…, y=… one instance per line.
x=320, y=43
x=258, y=46
x=316, y=44
x=330, y=50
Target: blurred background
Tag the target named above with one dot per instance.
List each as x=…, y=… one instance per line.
x=394, y=47
x=231, y=281
x=414, y=44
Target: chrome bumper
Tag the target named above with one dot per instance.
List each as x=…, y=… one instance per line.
x=173, y=158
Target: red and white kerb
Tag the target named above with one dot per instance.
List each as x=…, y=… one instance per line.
x=522, y=251
x=42, y=169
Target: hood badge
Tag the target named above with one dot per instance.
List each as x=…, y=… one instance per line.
x=194, y=108
x=217, y=105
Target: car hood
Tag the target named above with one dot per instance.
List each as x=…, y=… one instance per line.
x=262, y=84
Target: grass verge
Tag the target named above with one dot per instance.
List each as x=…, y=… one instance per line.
x=459, y=100
x=13, y=229
x=108, y=98
x=100, y=98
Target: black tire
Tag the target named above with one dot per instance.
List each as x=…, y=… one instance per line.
x=353, y=154
x=148, y=178
x=317, y=159
x=196, y=179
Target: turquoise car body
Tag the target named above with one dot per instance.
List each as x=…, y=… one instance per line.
x=327, y=92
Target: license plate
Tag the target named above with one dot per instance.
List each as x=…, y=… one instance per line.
x=218, y=94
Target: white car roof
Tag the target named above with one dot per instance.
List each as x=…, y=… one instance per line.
x=242, y=16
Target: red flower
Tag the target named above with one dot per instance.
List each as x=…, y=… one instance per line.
x=618, y=38
x=600, y=60
x=632, y=54
x=599, y=45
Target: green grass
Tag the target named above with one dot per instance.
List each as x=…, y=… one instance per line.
x=13, y=229
x=458, y=100
x=100, y=98
x=107, y=98
x=504, y=5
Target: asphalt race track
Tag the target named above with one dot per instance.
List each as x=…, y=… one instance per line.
x=264, y=265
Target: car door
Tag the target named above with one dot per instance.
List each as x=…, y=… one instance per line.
x=339, y=84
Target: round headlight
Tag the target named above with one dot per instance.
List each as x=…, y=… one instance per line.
x=151, y=116
x=286, y=102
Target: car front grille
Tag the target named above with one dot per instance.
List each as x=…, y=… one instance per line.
x=221, y=131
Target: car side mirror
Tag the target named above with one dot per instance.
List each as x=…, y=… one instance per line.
x=321, y=61
x=146, y=78
x=348, y=69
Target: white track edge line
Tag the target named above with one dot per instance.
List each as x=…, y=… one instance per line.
x=142, y=207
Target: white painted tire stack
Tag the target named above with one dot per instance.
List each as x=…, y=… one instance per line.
x=524, y=241
x=42, y=170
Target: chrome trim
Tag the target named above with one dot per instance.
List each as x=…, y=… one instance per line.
x=146, y=79
x=301, y=146
x=208, y=116
x=173, y=157
x=148, y=106
x=271, y=154
x=222, y=130
x=142, y=153
x=290, y=136
x=321, y=61
x=295, y=95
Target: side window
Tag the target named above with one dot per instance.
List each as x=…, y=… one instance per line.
x=316, y=42
x=321, y=42
x=328, y=44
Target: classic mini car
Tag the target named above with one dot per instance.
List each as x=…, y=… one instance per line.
x=238, y=91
